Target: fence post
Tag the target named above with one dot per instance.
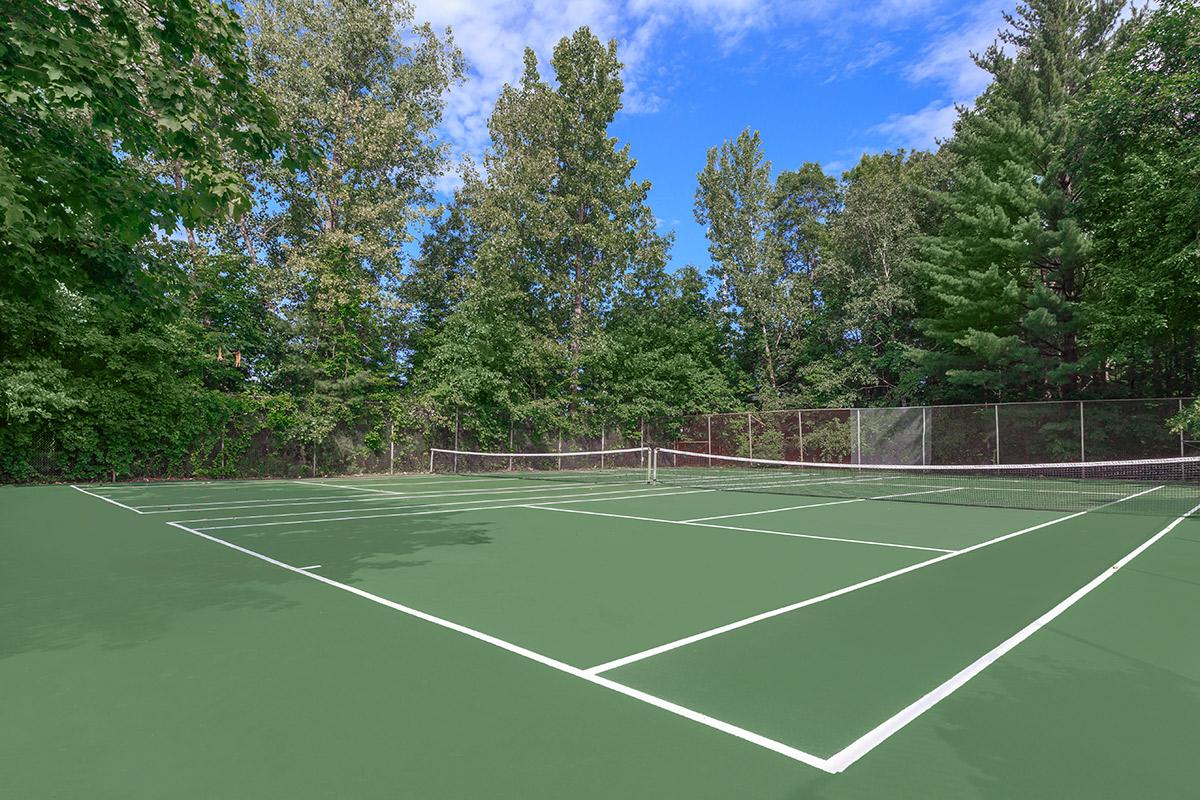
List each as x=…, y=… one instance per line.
x=996, y=410
x=924, y=436
x=642, y=444
x=1082, y=448
x=800, y=430
x=857, y=455
x=1182, y=446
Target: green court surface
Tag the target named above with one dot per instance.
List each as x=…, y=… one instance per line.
x=433, y=636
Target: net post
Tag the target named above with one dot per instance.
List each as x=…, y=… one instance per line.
x=996, y=412
x=559, y=459
x=602, y=439
x=1182, y=446
x=457, y=426
x=651, y=466
x=391, y=447
x=431, y=461
x=510, y=444
x=750, y=431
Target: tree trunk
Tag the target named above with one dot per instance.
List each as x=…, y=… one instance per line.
x=246, y=240
x=770, y=359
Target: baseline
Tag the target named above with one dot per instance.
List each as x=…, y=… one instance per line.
x=106, y=499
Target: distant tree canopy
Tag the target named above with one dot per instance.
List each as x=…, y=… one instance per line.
x=221, y=224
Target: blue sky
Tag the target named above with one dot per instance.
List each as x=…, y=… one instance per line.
x=822, y=80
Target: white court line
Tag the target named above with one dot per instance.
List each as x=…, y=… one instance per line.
x=636, y=694
x=819, y=505
x=507, y=488
x=344, y=486
x=546, y=507
x=400, y=479
x=442, y=509
x=837, y=763
x=235, y=505
x=106, y=499
x=708, y=634
x=877, y=735
x=650, y=490
x=178, y=505
x=654, y=496
x=310, y=566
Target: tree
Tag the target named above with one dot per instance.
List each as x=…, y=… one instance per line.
x=97, y=366
x=762, y=290
x=1009, y=266
x=553, y=228
x=1141, y=201
x=870, y=290
x=361, y=87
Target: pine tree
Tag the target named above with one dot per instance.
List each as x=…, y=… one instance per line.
x=1010, y=264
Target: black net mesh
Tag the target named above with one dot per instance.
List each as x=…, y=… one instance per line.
x=1167, y=486
x=598, y=466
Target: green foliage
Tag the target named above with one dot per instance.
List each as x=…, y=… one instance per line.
x=541, y=296
x=1009, y=267
x=766, y=293
x=1142, y=202
x=207, y=262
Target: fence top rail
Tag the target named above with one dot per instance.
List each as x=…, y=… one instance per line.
x=1185, y=399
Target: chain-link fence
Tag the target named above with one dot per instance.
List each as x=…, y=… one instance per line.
x=989, y=433
x=375, y=443
x=993, y=433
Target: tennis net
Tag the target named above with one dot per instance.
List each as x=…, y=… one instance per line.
x=627, y=465
x=1153, y=486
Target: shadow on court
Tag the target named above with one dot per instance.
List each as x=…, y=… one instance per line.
x=76, y=572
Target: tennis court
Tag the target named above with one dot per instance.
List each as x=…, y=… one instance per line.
x=627, y=624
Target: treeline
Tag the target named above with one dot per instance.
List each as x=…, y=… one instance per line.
x=218, y=226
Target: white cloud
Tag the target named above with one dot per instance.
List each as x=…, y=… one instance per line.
x=921, y=129
x=945, y=63
x=493, y=35
x=947, y=58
